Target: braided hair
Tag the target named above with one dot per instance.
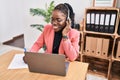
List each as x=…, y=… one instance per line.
x=66, y=8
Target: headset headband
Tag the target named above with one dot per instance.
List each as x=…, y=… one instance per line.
x=68, y=11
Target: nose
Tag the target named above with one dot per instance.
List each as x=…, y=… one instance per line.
x=54, y=22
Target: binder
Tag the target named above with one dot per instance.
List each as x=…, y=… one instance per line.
x=99, y=46
x=105, y=47
x=88, y=45
x=102, y=21
x=118, y=51
x=119, y=28
x=112, y=22
x=93, y=45
x=97, y=21
x=88, y=21
x=92, y=27
x=107, y=22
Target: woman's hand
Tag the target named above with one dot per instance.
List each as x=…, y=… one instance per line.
x=67, y=28
x=25, y=59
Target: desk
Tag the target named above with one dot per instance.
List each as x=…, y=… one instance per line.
x=76, y=70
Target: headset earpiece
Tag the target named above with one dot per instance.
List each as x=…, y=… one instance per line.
x=68, y=18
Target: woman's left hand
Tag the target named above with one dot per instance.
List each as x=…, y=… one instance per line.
x=67, y=27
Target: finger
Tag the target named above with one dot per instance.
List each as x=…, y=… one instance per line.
x=69, y=20
x=68, y=23
x=24, y=59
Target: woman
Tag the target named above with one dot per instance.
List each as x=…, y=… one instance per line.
x=59, y=37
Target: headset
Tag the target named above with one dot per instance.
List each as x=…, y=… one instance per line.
x=68, y=17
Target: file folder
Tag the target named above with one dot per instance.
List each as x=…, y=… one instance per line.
x=118, y=51
x=107, y=22
x=119, y=28
x=88, y=45
x=88, y=21
x=99, y=46
x=92, y=27
x=105, y=47
x=102, y=22
x=93, y=45
x=97, y=21
x=112, y=22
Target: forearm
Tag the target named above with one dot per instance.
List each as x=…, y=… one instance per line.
x=35, y=47
x=38, y=44
x=71, y=49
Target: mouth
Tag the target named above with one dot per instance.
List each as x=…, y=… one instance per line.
x=56, y=27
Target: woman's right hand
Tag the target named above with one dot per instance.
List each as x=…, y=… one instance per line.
x=25, y=59
x=67, y=27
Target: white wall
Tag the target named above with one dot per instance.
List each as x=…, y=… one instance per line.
x=118, y=3
x=11, y=19
x=31, y=34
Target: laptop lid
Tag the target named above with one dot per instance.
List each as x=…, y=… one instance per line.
x=46, y=63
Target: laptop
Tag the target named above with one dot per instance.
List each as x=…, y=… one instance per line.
x=47, y=63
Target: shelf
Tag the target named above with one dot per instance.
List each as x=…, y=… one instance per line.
x=91, y=27
x=100, y=33
x=115, y=59
x=97, y=73
x=103, y=8
x=118, y=36
x=97, y=56
x=115, y=77
x=99, y=48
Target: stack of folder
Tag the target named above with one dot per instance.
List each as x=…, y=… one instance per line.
x=97, y=46
x=101, y=20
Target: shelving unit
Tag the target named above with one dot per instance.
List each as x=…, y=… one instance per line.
x=101, y=61
x=98, y=46
x=115, y=68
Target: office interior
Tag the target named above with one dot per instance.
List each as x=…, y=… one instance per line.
x=16, y=20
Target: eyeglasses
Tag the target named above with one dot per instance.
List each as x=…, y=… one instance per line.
x=57, y=20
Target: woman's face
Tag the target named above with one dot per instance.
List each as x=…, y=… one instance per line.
x=58, y=20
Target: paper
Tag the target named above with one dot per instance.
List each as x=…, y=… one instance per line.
x=17, y=62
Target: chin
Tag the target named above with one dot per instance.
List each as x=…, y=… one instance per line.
x=56, y=30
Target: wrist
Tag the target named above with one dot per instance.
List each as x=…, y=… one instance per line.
x=65, y=37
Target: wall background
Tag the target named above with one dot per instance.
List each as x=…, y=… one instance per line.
x=15, y=18
x=11, y=19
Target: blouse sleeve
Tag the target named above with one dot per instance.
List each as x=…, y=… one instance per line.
x=38, y=44
x=71, y=46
